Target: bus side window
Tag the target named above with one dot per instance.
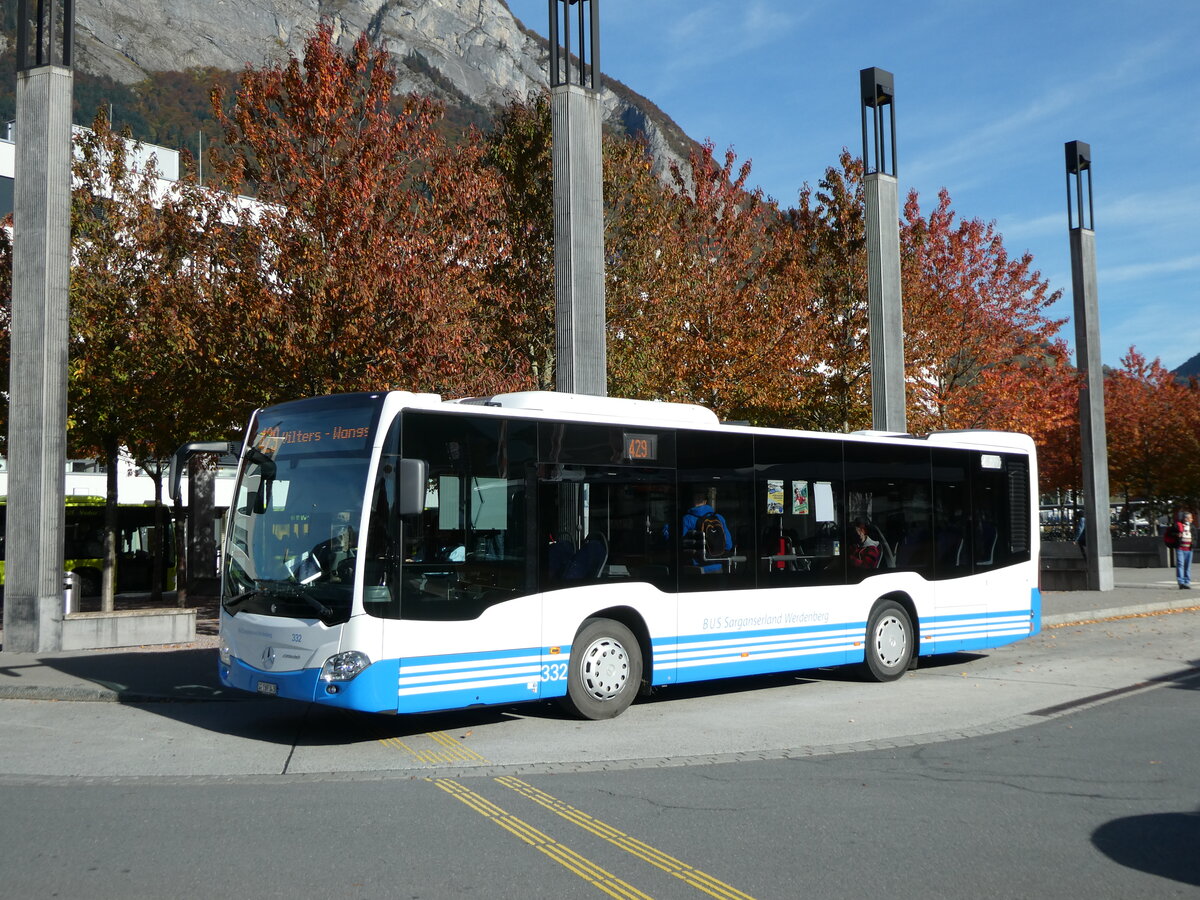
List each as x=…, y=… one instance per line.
x=716, y=494
x=465, y=551
x=604, y=523
x=951, y=513
x=888, y=488
x=1000, y=497
x=799, y=505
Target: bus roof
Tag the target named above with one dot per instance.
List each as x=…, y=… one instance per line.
x=615, y=410
x=607, y=408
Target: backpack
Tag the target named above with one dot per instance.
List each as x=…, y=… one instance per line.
x=1171, y=535
x=712, y=536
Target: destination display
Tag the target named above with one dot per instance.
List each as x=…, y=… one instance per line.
x=639, y=447
x=348, y=429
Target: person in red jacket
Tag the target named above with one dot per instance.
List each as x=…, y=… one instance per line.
x=864, y=549
x=1182, y=539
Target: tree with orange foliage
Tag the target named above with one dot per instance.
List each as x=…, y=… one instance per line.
x=705, y=319
x=135, y=291
x=362, y=266
x=976, y=327
x=1153, y=424
x=828, y=242
x=519, y=150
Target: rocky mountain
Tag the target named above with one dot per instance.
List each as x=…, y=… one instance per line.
x=472, y=54
x=1189, y=368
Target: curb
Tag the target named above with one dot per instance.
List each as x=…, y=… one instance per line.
x=81, y=694
x=1117, y=612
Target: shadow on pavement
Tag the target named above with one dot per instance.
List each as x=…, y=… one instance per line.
x=142, y=676
x=1162, y=844
x=1184, y=679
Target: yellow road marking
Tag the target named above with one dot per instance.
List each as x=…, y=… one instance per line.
x=450, y=751
x=457, y=749
x=561, y=854
x=669, y=864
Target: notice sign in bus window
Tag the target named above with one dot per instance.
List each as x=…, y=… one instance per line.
x=639, y=447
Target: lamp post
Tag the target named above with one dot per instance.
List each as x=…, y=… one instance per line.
x=885, y=308
x=581, y=360
x=37, y=445
x=1092, y=430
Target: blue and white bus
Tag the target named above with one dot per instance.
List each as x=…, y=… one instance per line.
x=396, y=552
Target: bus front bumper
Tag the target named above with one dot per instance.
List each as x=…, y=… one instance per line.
x=372, y=690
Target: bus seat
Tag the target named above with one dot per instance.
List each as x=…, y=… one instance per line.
x=887, y=556
x=589, y=561
x=559, y=556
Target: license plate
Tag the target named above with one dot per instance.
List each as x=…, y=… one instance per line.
x=268, y=687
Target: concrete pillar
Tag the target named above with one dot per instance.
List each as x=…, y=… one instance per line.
x=38, y=371
x=1092, y=429
x=581, y=366
x=885, y=307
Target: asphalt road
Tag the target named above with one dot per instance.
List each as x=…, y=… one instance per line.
x=1062, y=766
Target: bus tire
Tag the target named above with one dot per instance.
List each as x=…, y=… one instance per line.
x=889, y=642
x=605, y=672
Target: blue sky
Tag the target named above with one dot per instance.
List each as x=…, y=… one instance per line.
x=987, y=94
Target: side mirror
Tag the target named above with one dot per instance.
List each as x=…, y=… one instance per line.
x=410, y=493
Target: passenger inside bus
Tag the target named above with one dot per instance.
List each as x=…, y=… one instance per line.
x=707, y=542
x=865, y=551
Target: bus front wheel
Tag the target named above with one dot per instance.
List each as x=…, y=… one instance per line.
x=889, y=642
x=605, y=671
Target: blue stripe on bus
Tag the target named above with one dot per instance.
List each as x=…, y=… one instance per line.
x=753, y=662
x=472, y=696
x=727, y=654
x=446, y=681
x=977, y=631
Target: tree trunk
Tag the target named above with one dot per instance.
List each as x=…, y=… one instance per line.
x=180, y=552
x=156, y=542
x=108, y=581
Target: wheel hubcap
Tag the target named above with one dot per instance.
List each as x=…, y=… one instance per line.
x=605, y=668
x=890, y=641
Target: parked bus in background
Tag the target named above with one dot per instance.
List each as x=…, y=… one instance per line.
x=395, y=552
x=83, y=551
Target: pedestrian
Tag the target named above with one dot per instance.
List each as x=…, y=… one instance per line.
x=1181, y=535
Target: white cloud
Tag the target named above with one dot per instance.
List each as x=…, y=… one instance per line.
x=1151, y=269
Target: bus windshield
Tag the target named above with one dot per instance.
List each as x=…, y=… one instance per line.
x=293, y=535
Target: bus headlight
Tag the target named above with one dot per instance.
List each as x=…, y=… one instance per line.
x=225, y=654
x=344, y=666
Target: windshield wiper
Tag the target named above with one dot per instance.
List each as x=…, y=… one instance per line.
x=282, y=592
x=321, y=609
x=238, y=599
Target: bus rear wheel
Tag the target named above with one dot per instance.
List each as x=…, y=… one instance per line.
x=605, y=672
x=889, y=642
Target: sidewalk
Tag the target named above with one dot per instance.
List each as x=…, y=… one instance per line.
x=188, y=672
